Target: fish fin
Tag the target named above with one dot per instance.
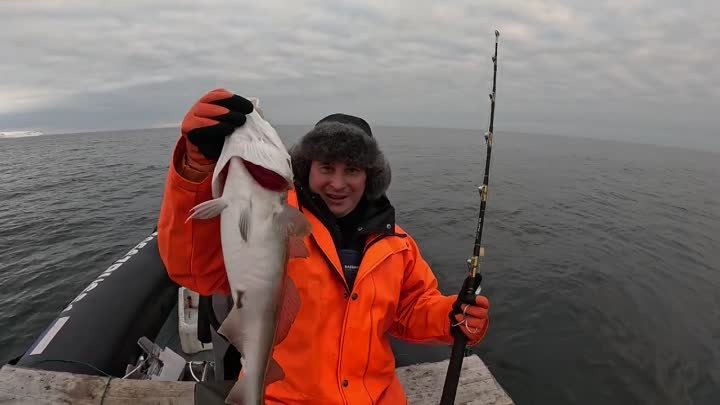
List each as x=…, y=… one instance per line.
x=297, y=248
x=289, y=308
x=208, y=209
x=244, y=222
x=235, y=396
x=239, y=298
x=232, y=328
x=274, y=372
x=292, y=222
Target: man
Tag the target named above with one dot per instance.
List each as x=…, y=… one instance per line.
x=364, y=278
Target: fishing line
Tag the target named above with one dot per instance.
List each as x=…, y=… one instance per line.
x=107, y=383
x=142, y=363
x=71, y=362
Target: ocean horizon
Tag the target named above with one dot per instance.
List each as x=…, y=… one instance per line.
x=602, y=257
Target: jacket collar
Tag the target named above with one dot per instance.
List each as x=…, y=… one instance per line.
x=376, y=219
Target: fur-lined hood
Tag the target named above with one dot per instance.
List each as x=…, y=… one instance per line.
x=343, y=138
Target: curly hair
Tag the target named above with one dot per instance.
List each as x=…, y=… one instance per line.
x=346, y=139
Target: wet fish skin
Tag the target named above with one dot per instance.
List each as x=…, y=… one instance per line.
x=259, y=232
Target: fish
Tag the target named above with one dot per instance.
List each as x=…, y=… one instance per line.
x=259, y=233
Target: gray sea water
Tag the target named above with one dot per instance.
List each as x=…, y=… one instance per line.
x=602, y=258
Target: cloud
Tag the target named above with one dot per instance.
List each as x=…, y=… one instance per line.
x=639, y=68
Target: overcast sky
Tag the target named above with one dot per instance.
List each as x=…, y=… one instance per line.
x=620, y=69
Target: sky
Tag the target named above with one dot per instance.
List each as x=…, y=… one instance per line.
x=638, y=70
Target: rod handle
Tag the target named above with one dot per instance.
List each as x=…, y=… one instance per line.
x=467, y=295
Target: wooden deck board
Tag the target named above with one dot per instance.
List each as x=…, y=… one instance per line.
x=423, y=384
x=40, y=387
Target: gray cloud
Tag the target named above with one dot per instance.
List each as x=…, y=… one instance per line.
x=622, y=69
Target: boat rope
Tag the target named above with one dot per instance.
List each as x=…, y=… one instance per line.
x=471, y=286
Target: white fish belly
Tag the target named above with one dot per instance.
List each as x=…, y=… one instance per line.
x=255, y=269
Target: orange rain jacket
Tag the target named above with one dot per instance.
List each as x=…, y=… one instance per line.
x=337, y=350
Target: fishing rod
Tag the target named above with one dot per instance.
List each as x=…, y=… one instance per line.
x=471, y=286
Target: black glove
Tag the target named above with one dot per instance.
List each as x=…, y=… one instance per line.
x=216, y=115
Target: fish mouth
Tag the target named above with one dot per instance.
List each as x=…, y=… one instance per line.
x=266, y=178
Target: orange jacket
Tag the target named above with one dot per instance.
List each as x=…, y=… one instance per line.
x=337, y=350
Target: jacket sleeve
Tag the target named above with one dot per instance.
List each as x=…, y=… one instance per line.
x=423, y=311
x=191, y=251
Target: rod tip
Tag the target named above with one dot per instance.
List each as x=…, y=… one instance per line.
x=497, y=33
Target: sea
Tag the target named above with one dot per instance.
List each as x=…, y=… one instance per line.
x=602, y=258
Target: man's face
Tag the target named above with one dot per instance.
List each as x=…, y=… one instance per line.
x=339, y=185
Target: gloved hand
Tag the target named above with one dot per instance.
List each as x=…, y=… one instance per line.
x=472, y=319
x=216, y=115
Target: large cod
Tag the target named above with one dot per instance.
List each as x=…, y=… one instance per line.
x=259, y=232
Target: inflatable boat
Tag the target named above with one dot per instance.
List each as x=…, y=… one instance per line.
x=133, y=323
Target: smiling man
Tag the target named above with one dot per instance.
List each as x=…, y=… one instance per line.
x=363, y=280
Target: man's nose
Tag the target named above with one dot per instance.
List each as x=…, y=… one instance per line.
x=337, y=181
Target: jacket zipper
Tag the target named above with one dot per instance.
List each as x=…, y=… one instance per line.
x=332, y=265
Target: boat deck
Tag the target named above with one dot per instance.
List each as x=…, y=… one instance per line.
x=423, y=384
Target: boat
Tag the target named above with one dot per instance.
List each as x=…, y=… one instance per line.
x=19, y=134
x=134, y=336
